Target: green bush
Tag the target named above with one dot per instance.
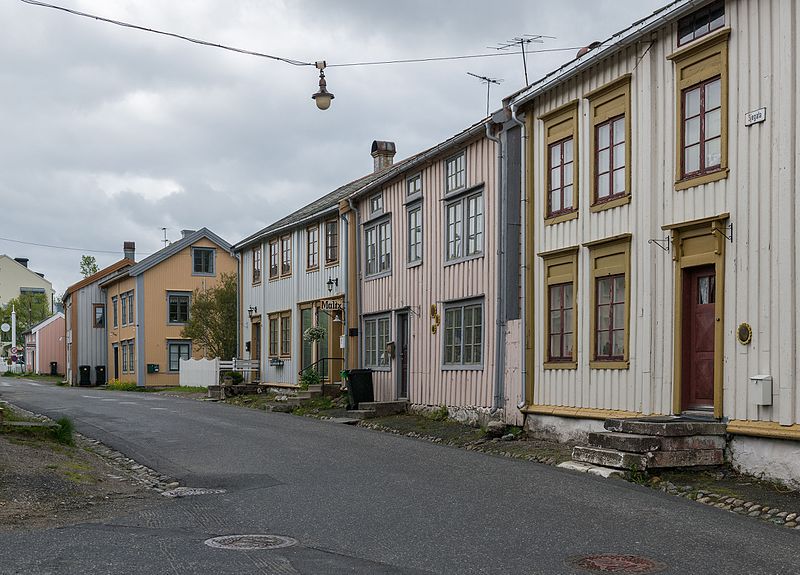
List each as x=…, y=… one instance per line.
x=63, y=433
x=236, y=376
x=116, y=385
x=309, y=377
x=440, y=413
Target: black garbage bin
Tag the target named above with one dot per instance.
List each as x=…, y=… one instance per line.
x=359, y=387
x=99, y=375
x=53, y=368
x=85, y=372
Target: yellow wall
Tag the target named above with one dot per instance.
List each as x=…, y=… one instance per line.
x=119, y=333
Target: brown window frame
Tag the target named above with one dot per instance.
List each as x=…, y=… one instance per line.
x=256, y=255
x=562, y=169
x=609, y=258
x=274, y=336
x=312, y=248
x=331, y=242
x=286, y=255
x=286, y=320
x=274, y=259
x=102, y=323
x=613, y=305
x=702, y=141
x=561, y=310
x=696, y=21
x=560, y=269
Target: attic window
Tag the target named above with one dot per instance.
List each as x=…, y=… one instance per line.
x=702, y=22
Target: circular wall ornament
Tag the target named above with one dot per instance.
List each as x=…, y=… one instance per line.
x=744, y=333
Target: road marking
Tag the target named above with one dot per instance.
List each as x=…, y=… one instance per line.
x=128, y=403
x=33, y=383
x=4, y=384
x=91, y=397
x=159, y=408
x=108, y=400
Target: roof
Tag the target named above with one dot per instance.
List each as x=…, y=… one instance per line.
x=613, y=44
x=27, y=269
x=325, y=204
x=99, y=275
x=176, y=247
x=44, y=323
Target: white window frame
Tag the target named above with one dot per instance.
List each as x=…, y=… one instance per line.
x=464, y=239
x=414, y=186
x=177, y=343
x=455, y=173
x=460, y=307
x=377, y=334
x=376, y=204
x=378, y=248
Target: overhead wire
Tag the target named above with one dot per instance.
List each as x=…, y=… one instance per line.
x=62, y=247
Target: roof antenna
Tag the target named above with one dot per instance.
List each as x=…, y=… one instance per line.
x=522, y=41
x=165, y=240
x=488, y=81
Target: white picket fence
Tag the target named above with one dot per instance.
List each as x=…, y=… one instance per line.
x=205, y=372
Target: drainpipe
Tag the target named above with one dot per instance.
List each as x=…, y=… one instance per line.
x=500, y=334
x=357, y=268
x=523, y=256
x=345, y=283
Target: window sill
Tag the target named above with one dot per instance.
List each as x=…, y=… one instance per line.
x=707, y=178
x=414, y=264
x=378, y=276
x=560, y=365
x=573, y=215
x=413, y=199
x=256, y=284
x=331, y=263
x=312, y=270
x=448, y=367
x=609, y=204
x=463, y=260
x=600, y=364
x=207, y=275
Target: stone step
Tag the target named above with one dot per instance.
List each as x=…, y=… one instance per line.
x=384, y=408
x=610, y=458
x=688, y=458
x=665, y=426
x=630, y=442
x=362, y=413
x=636, y=443
x=591, y=469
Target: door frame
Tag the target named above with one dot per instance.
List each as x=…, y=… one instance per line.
x=699, y=243
x=399, y=350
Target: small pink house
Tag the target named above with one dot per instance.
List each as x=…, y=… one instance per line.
x=44, y=343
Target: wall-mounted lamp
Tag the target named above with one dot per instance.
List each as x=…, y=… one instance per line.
x=323, y=97
x=251, y=311
x=331, y=283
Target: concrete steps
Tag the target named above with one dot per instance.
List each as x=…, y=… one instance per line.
x=654, y=443
x=371, y=409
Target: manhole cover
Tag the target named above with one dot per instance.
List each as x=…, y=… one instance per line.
x=250, y=542
x=187, y=491
x=608, y=563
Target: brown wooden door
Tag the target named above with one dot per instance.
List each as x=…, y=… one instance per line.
x=699, y=303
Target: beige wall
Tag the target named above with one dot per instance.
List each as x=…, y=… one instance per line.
x=119, y=333
x=14, y=275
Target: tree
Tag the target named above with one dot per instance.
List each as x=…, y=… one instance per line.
x=88, y=266
x=31, y=308
x=212, y=319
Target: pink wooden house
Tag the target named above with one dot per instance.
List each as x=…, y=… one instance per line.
x=44, y=344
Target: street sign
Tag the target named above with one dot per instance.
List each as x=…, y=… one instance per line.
x=14, y=349
x=755, y=117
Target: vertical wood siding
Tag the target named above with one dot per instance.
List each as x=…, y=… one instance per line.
x=761, y=283
x=433, y=282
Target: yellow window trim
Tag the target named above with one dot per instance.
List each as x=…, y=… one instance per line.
x=614, y=254
x=707, y=178
x=559, y=124
x=561, y=364
x=560, y=267
x=615, y=203
x=573, y=215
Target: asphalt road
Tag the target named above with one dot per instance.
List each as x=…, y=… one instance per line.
x=359, y=501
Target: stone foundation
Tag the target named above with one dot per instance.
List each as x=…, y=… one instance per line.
x=474, y=416
x=773, y=459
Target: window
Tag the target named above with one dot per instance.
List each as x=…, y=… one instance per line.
x=124, y=304
x=415, y=234
x=274, y=322
x=700, y=23
x=560, y=197
x=286, y=255
x=124, y=346
x=312, y=248
x=455, y=173
x=463, y=334
x=561, y=174
x=464, y=227
x=560, y=321
x=99, y=320
x=178, y=307
x=702, y=128
x=609, y=113
x=178, y=350
x=274, y=259
x=610, y=271
x=286, y=333
x=203, y=259
x=114, y=317
x=128, y=363
x=331, y=242
x=378, y=239
x=376, y=204
x=257, y=264
x=130, y=308
x=376, y=337
x=414, y=186
x=131, y=355
x=701, y=94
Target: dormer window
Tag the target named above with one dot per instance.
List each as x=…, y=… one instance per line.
x=702, y=22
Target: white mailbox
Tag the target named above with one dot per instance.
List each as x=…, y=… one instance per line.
x=761, y=389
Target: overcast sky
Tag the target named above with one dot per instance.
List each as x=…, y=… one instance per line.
x=110, y=134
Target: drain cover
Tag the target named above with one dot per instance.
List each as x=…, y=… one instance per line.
x=187, y=491
x=608, y=563
x=250, y=542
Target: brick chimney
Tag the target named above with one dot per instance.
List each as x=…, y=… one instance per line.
x=383, y=154
x=129, y=250
x=185, y=233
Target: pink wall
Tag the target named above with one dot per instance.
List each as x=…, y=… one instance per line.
x=51, y=346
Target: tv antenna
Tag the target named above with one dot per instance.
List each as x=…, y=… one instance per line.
x=165, y=240
x=488, y=81
x=522, y=41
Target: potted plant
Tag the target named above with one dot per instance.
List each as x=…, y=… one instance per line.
x=313, y=334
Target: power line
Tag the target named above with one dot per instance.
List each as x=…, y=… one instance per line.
x=63, y=247
x=442, y=58
x=164, y=33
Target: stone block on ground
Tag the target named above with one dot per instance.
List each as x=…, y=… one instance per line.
x=665, y=426
x=625, y=441
x=688, y=458
x=384, y=408
x=496, y=429
x=610, y=458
